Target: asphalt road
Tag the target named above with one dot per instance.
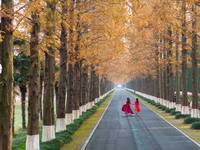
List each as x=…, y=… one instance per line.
x=145, y=131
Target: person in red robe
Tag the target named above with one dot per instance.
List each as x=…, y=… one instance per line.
x=137, y=106
x=126, y=108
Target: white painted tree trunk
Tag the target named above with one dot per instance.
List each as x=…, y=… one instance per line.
x=60, y=124
x=168, y=104
x=84, y=108
x=92, y=103
x=80, y=110
x=161, y=101
x=87, y=106
x=75, y=114
x=32, y=142
x=195, y=113
x=96, y=100
x=171, y=105
x=48, y=133
x=185, y=110
x=68, y=119
x=178, y=107
x=164, y=102
x=174, y=105
x=156, y=99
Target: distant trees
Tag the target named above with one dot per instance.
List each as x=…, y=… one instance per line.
x=175, y=24
x=21, y=77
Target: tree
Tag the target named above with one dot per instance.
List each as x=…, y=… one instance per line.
x=60, y=125
x=194, y=110
x=32, y=141
x=178, y=102
x=185, y=109
x=70, y=113
x=170, y=73
x=6, y=77
x=48, y=131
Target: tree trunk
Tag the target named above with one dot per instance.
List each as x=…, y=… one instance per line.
x=84, y=88
x=157, y=87
x=23, y=90
x=97, y=87
x=185, y=109
x=32, y=141
x=165, y=88
x=48, y=131
x=77, y=72
x=13, y=127
x=56, y=96
x=70, y=90
x=41, y=88
x=171, y=80
x=161, y=74
x=91, y=85
x=80, y=98
x=101, y=86
x=76, y=87
x=177, y=99
x=6, y=77
x=70, y=98
x=60, y=125
x=194, y=110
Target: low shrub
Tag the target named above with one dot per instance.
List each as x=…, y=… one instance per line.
x=163, y=108
x=173, y=112
x=188, y=115
x=167, y=110
x=153, y=103
x=160, y=107
x=157, y=105
x=177, y=112
x=179, y=115
x=196, y=125
x=188, y=120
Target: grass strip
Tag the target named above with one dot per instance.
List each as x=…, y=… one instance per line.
x=179, y=123
x=79, y=137
x=67, y=136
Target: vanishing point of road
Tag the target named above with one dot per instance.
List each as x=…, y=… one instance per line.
x=145, y=131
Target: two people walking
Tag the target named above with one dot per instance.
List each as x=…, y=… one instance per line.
x=126, y=108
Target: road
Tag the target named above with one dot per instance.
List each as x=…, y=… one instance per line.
x=145, y=131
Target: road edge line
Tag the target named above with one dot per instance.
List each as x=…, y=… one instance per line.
x=96, y=125
x=194, y=141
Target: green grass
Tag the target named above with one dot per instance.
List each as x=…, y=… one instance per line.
x=18, y=116
x=79, y=137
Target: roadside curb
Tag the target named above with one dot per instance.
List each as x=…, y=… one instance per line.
x=96, y=125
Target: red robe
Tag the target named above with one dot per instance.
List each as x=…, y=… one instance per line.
x=127, y=108
x=137, y=106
